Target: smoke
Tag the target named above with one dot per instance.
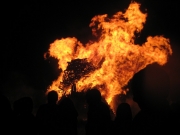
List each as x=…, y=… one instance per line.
x=16, y=87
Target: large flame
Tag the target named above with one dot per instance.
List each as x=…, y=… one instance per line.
x=111, y=61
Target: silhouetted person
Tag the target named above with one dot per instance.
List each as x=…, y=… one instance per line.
x=67, y=117
x=25, y=121
x=16, y=108
x=123, y=119
x=98, y=116
x=150, y=88
x=6, y=115
x=46, y=114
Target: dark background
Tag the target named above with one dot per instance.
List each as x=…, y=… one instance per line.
x=30, y=26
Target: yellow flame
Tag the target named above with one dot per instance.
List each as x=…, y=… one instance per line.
x=114, y=54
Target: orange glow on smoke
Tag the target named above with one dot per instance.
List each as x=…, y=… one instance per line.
x=113, y=59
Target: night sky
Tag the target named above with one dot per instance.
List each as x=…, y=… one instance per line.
x=29, y=27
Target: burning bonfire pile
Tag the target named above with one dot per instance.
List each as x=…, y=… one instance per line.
x=110, y=62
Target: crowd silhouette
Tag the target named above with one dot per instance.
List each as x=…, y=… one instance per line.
x=150, y=88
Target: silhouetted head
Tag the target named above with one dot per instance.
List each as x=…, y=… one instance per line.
x=23, y=105
x=67, y=106
x=93, y=96
x=150, y=86
x=52, y=97
x=123, y=112
x=4, y=103
x=16, y=107
x=27, y=103
x=66, y=102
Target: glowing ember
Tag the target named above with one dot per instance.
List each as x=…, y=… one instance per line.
x=111, y=61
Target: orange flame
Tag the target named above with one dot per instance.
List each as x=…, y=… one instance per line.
x=114, y=57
